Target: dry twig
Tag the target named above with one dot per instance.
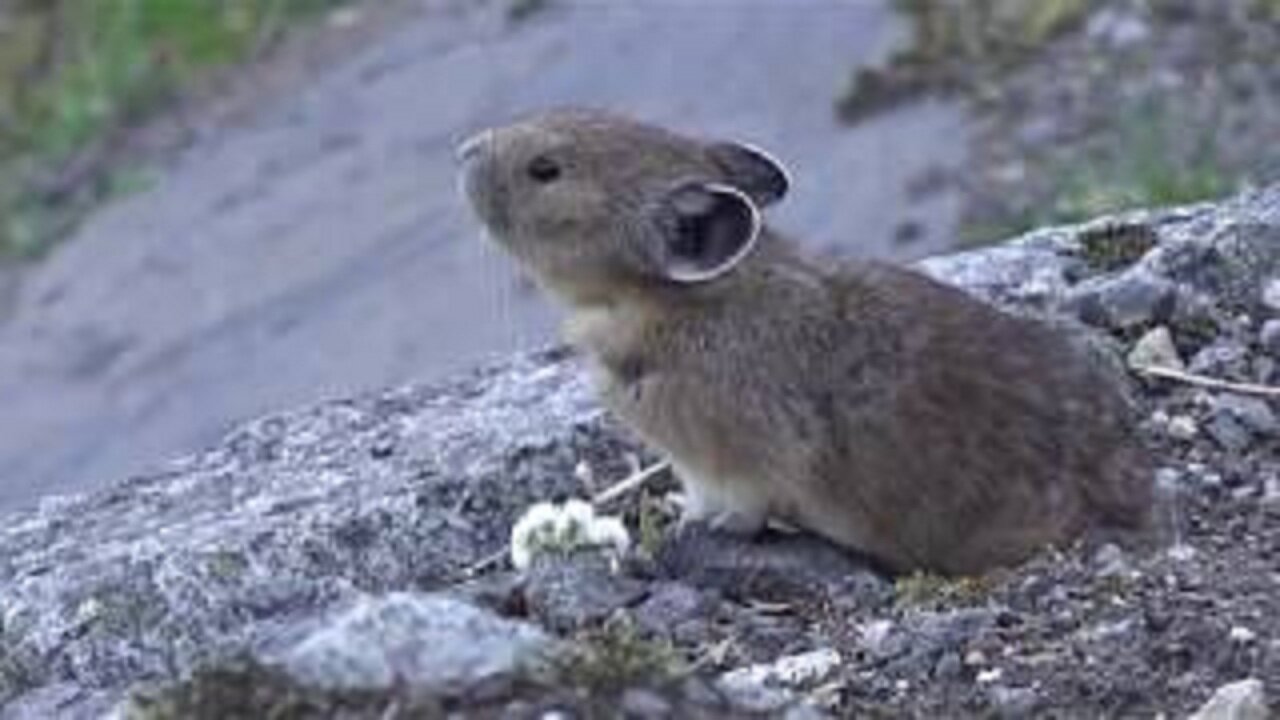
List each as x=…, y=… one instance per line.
x=1240, y=388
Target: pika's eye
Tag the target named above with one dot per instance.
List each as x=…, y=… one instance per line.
x=543, y=169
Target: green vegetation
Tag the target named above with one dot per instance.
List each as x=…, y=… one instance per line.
x=949, y=40
x=242, y=687
x=613, y=657
x=1146, y=159
x=1141, y=166
x=1116, y=245
x=922, y=588
x=75, y=75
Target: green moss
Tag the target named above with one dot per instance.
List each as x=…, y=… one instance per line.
x=922, y=588
x=652, y=523
x=614, y=657
x=244, y=689
x=1267, y=10
x=1113, y=246
x=226, y=565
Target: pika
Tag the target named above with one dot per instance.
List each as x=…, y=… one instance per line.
x=893, y=414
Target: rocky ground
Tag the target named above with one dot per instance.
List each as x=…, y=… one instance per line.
x=1083, y=106
x=320, y=563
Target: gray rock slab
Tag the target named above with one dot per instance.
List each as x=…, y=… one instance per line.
x=434, y=644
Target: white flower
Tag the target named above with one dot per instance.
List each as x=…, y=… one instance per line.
x=533, y=532
x=566, y=528
x=576, y=518
x=611, y=533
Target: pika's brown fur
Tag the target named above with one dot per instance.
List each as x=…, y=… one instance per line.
x=891, y=413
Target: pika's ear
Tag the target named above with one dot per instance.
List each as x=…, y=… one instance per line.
x=752, y=170
x=706, y=228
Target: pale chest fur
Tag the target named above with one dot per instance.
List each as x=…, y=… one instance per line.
x=728, y=466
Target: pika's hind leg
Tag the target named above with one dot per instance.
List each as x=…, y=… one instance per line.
x=730, y=507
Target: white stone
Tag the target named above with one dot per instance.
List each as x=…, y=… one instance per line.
x=1242, y=700
x=769, y=686
x=1242, y=635
x=1156, y=349
x=1183, y=427
x=1271, y=294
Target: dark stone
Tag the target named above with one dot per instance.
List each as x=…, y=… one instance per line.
x=581, y=590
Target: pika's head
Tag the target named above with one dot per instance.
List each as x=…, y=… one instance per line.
x=588, y=200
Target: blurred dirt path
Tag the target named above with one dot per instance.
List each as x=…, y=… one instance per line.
x=319, y=248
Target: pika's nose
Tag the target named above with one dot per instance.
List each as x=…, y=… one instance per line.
x=468, y=149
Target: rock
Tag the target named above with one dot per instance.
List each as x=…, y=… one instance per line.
x=879, y=639
x=1112, y=561
x=1271, y=490
x=1012, y=702
x=927, y=637
x=1169, y=480
x=772, y=686
x=1224, y=359
x=1117, y=28
x=1131, y=299
x=1271, y=294
x=804, y=711
x=287, y=518
x=1242, y=700
x=1230, y=434
x=1269, y=337
x=568, y=593
x=431, y=644
x=1155, y=349
x=640, y=704
x=671, y=608
x=1253, y=413
x=1183, y=427
x=1243, y=635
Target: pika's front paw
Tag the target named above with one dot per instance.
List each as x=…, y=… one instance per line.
x=722, y=514
x=732, y=523
x=771, y=565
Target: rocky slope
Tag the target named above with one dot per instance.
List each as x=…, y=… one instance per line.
x=314, y=564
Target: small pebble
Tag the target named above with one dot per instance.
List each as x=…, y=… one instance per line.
x=1223, y=359
x=1271, y=294
x=1242, y=635
x=1242, y=700
x=1168, y=479
x=1183, y=427
x=1230, y=434
x=1269, y=337
x=640, y=703
x=1271, y=490
x=1252, y=412
x=1156, y=349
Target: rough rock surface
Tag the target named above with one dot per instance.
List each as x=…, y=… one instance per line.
x=195, y=585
